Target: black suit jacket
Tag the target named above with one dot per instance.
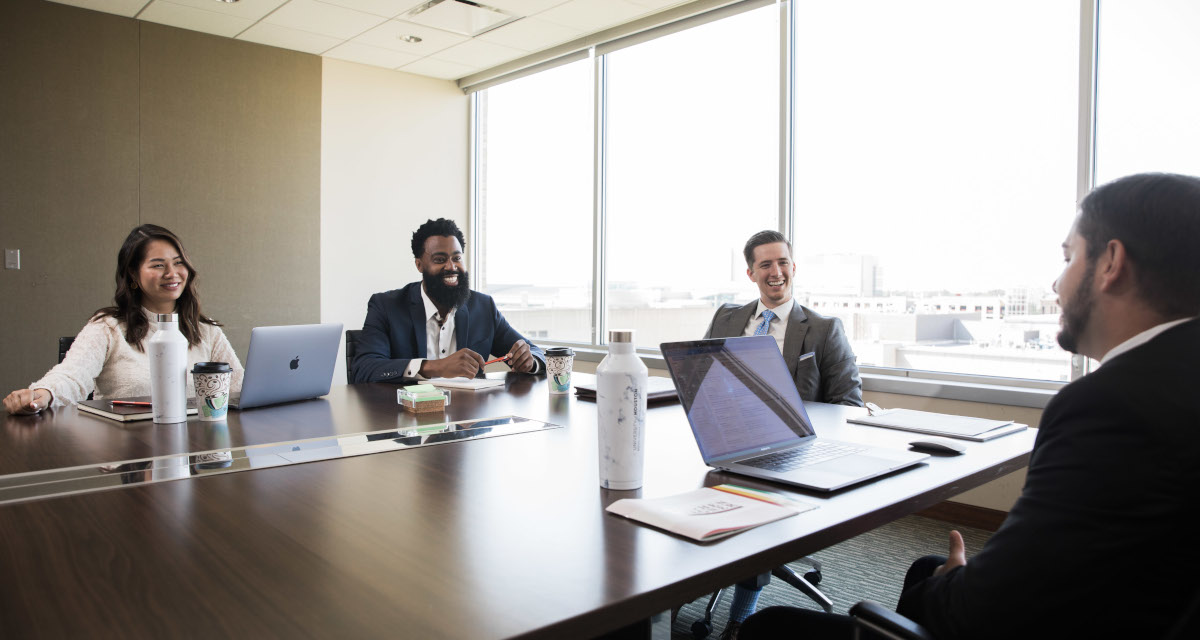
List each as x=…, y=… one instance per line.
x=1098, y=545
x=830, y=375
x=394, y=333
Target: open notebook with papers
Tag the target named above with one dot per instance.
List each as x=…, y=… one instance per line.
x=941, y=424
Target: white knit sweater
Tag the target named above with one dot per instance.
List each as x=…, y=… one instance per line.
x=102, y=361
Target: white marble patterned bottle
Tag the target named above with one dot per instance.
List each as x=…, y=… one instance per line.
x=167, y=350
x=621, y=403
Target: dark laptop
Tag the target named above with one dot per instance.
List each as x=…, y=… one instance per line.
x=288, y=363
x=748, y=417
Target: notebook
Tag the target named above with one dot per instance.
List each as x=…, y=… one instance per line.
x=748, y=418
x=941, y=424
x=288, y=363
x=124, y=413
x=658, y=389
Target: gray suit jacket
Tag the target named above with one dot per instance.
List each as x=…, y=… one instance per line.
x=829, y=376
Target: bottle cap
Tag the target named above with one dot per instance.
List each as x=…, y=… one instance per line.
x=167, y=317
x=620, y=336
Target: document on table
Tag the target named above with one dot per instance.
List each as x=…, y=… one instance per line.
x=474, y=384
x=941, y=424
x=710, y=513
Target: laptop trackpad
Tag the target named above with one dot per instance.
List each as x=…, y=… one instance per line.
x=853, y=465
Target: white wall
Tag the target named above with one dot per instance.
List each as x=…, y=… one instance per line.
x=394, y=152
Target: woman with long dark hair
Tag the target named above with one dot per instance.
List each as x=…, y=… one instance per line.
x=154, y=275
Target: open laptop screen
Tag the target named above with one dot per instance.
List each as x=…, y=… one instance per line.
x=737, y=394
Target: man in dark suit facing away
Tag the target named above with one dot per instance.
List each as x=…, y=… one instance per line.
x=437, y=327
x=814, y=347
x=1097, y=546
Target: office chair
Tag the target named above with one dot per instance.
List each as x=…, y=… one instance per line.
x=64, y=345
x=351, y=350
x=883, y=622
x=806, y=584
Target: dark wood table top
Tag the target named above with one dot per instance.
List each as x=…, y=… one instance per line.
x=494, y=538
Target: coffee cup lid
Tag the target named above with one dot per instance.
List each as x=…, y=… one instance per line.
x=559, y=351
x=212, y=367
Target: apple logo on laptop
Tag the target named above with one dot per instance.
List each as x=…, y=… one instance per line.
x=294, y=364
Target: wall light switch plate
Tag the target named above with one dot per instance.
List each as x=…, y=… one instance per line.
x=12, y=258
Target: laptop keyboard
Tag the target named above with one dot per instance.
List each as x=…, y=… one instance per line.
x=790, y=459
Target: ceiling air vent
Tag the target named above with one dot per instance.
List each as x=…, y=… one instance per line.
x=459, y=16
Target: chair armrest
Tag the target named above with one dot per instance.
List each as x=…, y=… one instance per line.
x=887, y=622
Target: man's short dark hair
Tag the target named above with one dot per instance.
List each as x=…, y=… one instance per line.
x=1157, y=217
x=761, y=238
x=439, y=227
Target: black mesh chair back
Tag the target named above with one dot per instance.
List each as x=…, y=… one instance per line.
x=351, y=350
x=64, y=345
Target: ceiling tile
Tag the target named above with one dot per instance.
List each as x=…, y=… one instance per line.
x=285, y=38
x=522, y=7
x=249, y=9
x=479, y=54
x=590, y=16
x=366, y=54
x=435, y=68
x=530, y=34
x=177, y=15
x=127, y=8
x=388, y=34
x=322, y=18
x=385, y=8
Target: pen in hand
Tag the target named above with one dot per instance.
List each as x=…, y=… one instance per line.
x=129, y=403
x=495, y=360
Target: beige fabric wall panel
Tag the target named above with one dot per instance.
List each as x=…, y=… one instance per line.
x=231, y=161
x=107, y=122
x=68, y=172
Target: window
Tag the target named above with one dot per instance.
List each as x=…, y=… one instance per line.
x=920, y=125
x=692, y=172
x=1147, y=89
x=535, y=194
x=935, y=162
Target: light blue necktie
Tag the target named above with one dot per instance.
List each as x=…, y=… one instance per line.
x=765, y=325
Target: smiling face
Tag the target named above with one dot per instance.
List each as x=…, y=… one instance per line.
x=1075, y=296
x=442, y=272
x=772, y=270
x=162, y=276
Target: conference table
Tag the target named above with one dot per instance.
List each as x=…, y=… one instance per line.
x=347, y=516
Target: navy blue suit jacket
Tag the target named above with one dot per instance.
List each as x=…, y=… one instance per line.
x=394, y=333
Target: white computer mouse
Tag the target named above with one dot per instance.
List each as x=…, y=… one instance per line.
x=933, y=445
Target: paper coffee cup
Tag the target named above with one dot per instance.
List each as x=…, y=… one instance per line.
x=212, y=389
x=558, y=368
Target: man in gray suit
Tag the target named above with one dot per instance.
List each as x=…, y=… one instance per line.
x=814, y=347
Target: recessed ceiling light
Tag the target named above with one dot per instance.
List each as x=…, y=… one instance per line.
x=465, y=17
x=412, y=39
x=228, y=1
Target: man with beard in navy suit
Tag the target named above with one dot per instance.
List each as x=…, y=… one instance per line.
x=437, y=327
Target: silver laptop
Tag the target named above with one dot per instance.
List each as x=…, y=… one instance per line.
x=288, y=363
x=748, y=417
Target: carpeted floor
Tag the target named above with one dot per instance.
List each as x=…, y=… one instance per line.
x=869, y=567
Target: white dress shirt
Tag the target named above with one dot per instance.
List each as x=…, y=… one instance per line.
x=440, y=340
x=778, y=326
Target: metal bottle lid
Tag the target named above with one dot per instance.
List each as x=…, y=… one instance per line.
x=167, y=317
x=620, y=336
